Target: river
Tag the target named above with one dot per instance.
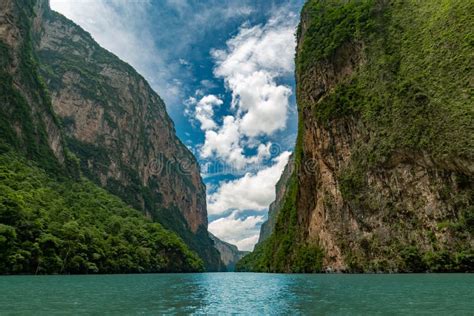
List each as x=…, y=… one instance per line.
x=239, y=293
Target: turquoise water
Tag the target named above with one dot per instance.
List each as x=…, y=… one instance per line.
x=239, y=293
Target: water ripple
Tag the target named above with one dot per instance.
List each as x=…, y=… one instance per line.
x=238, y=293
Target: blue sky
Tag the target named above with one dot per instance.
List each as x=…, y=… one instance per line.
x=225, y=70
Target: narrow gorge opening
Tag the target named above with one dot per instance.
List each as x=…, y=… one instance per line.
x=159, y=141
x=230, y=91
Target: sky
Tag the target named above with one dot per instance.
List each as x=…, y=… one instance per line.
x=225, y=69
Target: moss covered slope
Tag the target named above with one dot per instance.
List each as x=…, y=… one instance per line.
x=385, y=151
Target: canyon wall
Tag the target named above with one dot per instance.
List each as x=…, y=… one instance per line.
x=384, y=166
x=70, y=104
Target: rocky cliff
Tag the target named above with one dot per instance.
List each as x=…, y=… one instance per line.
x=280, y=191
x=67, y=102
x=119, y=129
x=116, y=123
x=53, y=220
x=384, y=158
x=28, y=121
x=230, y=254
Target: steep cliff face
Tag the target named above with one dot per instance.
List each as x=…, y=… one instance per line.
x=230, y=254
x=281, y=188
x=118, y=125
x=120, y=130
x=384, y=157
x=27, y=119
x=52, y=220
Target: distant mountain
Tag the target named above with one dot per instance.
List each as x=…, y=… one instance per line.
x=230, y=254
x=384, y=160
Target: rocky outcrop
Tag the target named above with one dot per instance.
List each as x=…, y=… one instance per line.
x=280, y=191
x=230, y=254
x=52, y=219
x=119, y=129
x=383, y=177
x=386, y=213
x=118, y=124
x=31, y=126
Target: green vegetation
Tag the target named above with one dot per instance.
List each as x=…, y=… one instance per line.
x=413, y=90
x=48, y=226
x=330, y=25
x=284, y=250
x=410, y=95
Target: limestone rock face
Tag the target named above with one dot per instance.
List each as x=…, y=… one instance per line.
x=365, y=215
x=35, y=127
x=119, y=129
x=111, y=111
x=384, y=160
x=281, y=188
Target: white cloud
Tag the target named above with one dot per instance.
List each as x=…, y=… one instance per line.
x=241, y=232
x=250, y=192
x=208, y=84
x=254, y=59
x=250, y=66
x=269, y=47
x=225, y=143
x=204, y=110
x=228, y=145
x=264, y=103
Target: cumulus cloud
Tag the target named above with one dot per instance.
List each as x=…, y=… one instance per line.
x=250, y=66
x=242, y=232
x=254, y=191
x=227, y=144
x=251, y=192
x=204, y=110
x=264, y=104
